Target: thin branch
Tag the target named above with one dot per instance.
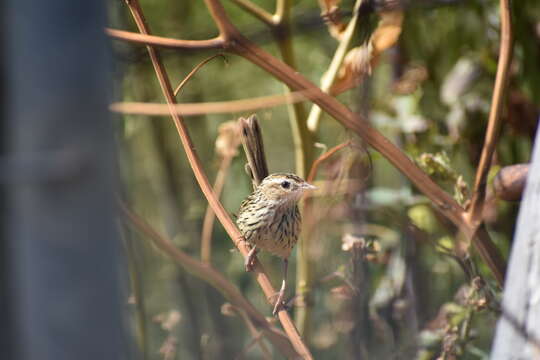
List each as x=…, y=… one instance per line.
x=215, y=43
x=214, y=278
x=217, y=107
x=209, y=216
x=256, y=11
x=494, y=123
x=202, y=179
x=195, y=70
x=322, y=158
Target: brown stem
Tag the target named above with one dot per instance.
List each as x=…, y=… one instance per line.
x=256, y=11
x=215, y=43
x=494, y=124
x=195, y=70
x=322, y=158
x=202, y=179
x=209, y=216
x=214, y=278
x=217, y=107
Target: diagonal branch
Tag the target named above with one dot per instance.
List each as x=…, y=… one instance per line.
x=202, y=179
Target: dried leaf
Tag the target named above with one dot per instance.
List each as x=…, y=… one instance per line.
x=168, y=320
x=228, y=140
x=410, y=80
x=387, y=32
x=350, y=241
x=343, y=292
x=360, y=60
x=357, y=63
x=168, y=348
x=228, y=310
x=330, y=12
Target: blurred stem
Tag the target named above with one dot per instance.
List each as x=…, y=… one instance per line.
x=303, y=153
x=209, y=216
x=330, y=76
x=136, y=287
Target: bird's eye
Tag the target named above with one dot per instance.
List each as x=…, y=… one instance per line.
x=285, y=184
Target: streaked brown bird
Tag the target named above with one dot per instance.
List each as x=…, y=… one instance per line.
x=269, y=219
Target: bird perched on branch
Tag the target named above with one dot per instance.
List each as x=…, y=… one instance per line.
x=269, y=218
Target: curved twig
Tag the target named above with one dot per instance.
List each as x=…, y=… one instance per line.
x=324, y=157
x=195, y=70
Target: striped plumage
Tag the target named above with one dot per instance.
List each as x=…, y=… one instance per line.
x=269, y=218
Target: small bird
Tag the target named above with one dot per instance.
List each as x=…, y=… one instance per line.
x=269, y=219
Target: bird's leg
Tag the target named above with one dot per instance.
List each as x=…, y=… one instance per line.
x=250, y=259
x=279, y=302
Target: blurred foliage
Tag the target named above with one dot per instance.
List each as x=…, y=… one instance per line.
x=386, y=285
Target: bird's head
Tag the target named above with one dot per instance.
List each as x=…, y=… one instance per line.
x=284, y=187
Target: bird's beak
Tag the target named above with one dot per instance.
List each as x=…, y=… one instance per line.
x=307, y=186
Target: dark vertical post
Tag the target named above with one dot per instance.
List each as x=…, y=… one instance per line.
x=59, y=175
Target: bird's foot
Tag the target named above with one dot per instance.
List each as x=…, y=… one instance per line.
x=249, y=263
x=279, y=304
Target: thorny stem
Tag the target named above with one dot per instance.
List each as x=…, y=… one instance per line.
x=474, y=213
x=226, y=29
x=213, y=277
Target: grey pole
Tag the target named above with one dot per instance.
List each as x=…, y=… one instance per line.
x=59, y=220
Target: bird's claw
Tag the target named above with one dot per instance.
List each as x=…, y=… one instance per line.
x=249, y=263
x=279, y=304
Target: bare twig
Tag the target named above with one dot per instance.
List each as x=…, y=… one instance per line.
x=194, y=71
x=226, y=29
x=322, y=158
x=215, y=43
x=215, y=279
x=209, y=216
x=474, y=214
x=218, y=107
x=256, y=11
